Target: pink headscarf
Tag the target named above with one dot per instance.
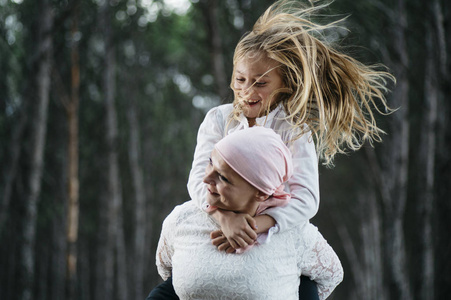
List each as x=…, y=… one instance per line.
x=259, y=155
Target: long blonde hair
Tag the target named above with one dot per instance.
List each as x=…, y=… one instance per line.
x=331, y=92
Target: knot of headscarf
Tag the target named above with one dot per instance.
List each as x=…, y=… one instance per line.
x=259, y=155
x=278, y=198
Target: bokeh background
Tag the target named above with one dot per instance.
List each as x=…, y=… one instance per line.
x=100, y=102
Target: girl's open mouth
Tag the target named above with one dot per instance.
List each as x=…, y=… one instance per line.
x=252, y=102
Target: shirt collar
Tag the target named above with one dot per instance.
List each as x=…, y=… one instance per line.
x=261, y=121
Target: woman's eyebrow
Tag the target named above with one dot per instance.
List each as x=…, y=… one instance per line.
x=222, y=172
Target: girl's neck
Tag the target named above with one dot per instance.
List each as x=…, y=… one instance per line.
x=251, y=122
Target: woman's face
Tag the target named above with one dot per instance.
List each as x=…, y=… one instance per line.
x=255, y=79
x=227, y=189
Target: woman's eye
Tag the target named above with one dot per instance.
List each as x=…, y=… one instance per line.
x=210, y=162
x=223, y=178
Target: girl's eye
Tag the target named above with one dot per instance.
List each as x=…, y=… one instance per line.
x=210, y=162
x=240, y=79
x=260, y=84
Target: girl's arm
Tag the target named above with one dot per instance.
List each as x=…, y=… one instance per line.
x=210, y=132
x=258, y=224
x=303, y=185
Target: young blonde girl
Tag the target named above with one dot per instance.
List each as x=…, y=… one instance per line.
x=287, y=76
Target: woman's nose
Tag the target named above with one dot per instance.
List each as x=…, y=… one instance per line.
x=208, y=178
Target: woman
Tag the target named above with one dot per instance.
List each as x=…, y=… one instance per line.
x=246, y=174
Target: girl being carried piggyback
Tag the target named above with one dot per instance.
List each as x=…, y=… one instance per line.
x=288, y=77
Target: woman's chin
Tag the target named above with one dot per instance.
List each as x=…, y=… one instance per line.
x=217, y=204
x=213, y=202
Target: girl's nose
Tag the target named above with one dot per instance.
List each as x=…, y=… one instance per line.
x=247, y=89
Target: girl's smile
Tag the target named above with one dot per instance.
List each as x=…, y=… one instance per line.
x=255, y=83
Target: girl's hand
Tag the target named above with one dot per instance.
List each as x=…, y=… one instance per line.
x=220, y=241
x=238, y=229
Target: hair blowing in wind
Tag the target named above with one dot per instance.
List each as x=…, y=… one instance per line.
x=331, y=92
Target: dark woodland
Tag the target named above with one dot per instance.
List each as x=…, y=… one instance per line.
x=100, y=102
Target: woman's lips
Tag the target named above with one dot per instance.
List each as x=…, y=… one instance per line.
x=212, y=193
x=212, y=198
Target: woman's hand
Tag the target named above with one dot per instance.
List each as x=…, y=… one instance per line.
x=238, y=229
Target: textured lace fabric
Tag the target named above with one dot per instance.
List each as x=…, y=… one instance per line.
x=268, y=271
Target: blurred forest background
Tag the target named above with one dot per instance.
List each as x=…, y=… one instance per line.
x=100, y=102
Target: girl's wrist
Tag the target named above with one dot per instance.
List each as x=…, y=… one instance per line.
x=219, y=215
x=264, y=223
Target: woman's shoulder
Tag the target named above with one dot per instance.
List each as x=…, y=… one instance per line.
x=181, y=212
x=305, y=236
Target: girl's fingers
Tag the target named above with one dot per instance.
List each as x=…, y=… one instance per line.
x=249, y=236
x=230, y=250
x=234, y=244
x=225, y=246
x=219, y=240
x=252, y=223
x=215, y=234
x=245, y=238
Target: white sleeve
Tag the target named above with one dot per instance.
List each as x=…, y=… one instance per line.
x=210, y=132
x=165, y=248
x=303, y=185
x=319, y=262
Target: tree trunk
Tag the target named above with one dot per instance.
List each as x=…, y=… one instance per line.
x=16, y=140
x=210, y=11
x=442, y=205
x=107, y=286
x=86, y=269
x=435, y=60
x=39, y=129
x=395, y=167
x=372, y=247
x=134, y=151
x=352, y=255
x=73, y=182
x=58, y=259
x=42, y=271
x=115, y=255
x=426, y=182
x=365, y=257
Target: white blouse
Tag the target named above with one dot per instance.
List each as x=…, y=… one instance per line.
x=303, y=185
x=269, y=271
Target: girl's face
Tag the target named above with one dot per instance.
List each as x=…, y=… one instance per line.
x=228, y=190
x=255, y=79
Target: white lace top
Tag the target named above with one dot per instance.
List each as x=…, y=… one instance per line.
x=270, y=271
